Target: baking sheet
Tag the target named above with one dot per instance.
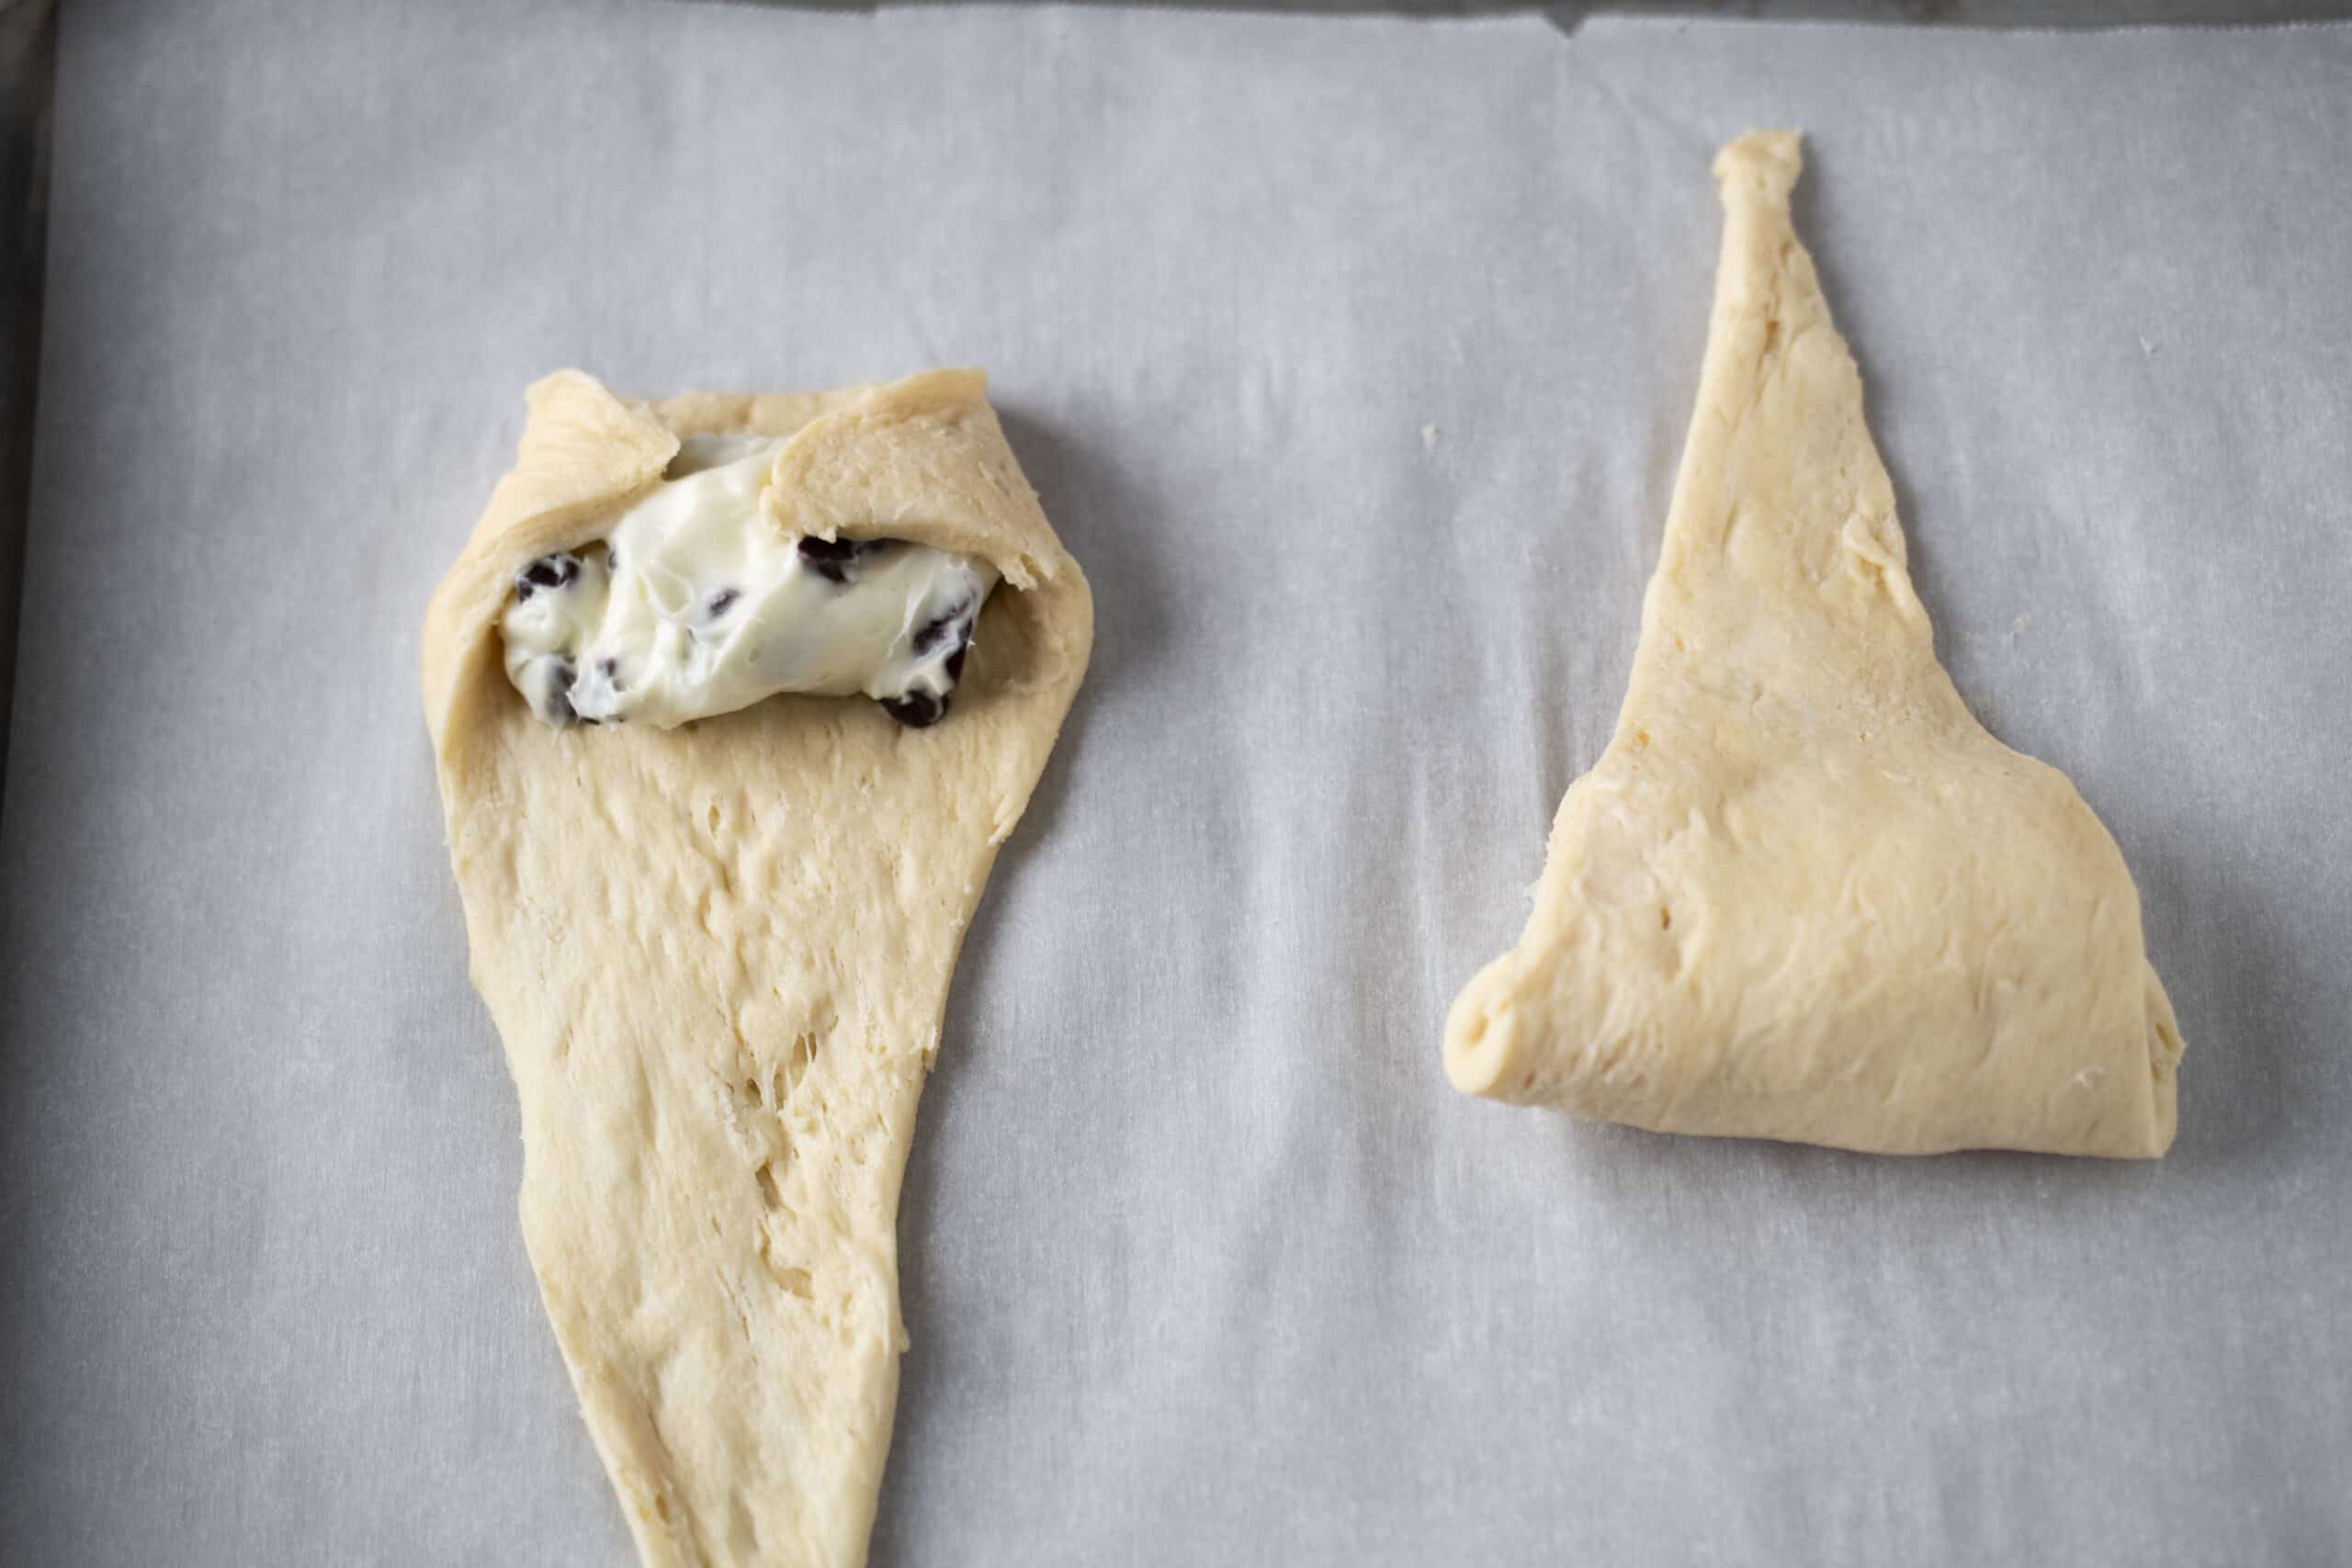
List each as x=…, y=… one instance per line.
x=1351, y=358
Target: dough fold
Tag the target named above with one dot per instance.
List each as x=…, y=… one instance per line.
x=718, y=956
x=1804, y=895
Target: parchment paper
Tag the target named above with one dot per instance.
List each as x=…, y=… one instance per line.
x=1352, y=359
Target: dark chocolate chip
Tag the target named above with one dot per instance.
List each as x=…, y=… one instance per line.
x=935, y=632
x=611, y=670
x=723, y=601
x=829, y=558
x=560, y=680
x=955, y=665
x=836, y=560
x=548, y=571
x=916, y=710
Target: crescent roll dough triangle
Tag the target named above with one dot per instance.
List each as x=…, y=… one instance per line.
x=718, y=956
x=1804, y=895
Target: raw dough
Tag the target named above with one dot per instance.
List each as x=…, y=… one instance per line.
x=718, y=957
x=1804, y=895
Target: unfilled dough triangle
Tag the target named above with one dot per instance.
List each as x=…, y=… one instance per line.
x=1804, y=895
x=718, y=957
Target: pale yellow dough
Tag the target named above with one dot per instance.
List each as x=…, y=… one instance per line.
x=718, y=956
x=1804, y=895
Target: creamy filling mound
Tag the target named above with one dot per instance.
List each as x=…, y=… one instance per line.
x=697, y=604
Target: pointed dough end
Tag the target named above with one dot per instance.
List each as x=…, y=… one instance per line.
x=1765, y=162
x=1482, y=1034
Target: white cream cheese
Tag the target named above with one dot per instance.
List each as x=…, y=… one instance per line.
x=697, y=604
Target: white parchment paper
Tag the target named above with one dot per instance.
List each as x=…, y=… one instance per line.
x=1352, y=358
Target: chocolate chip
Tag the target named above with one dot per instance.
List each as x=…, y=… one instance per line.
x=935, y=632
x=829, y=558
x=916, y=710
x=610, y=669
x=836, y=560
x=723, y=601
x=560, y=680
x=956, y=660
x=548, y=571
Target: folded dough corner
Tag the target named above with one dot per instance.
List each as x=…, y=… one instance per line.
x=1804, y=895
x=718, y=956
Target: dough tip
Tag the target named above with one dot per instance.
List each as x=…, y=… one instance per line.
x=1766, y=162
x=1482, y=1039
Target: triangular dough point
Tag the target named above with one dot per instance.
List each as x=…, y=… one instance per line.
x=1804, y=895
x=718, y=957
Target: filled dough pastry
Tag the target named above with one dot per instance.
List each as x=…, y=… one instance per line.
x=1804, y=895
x=715, y=925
